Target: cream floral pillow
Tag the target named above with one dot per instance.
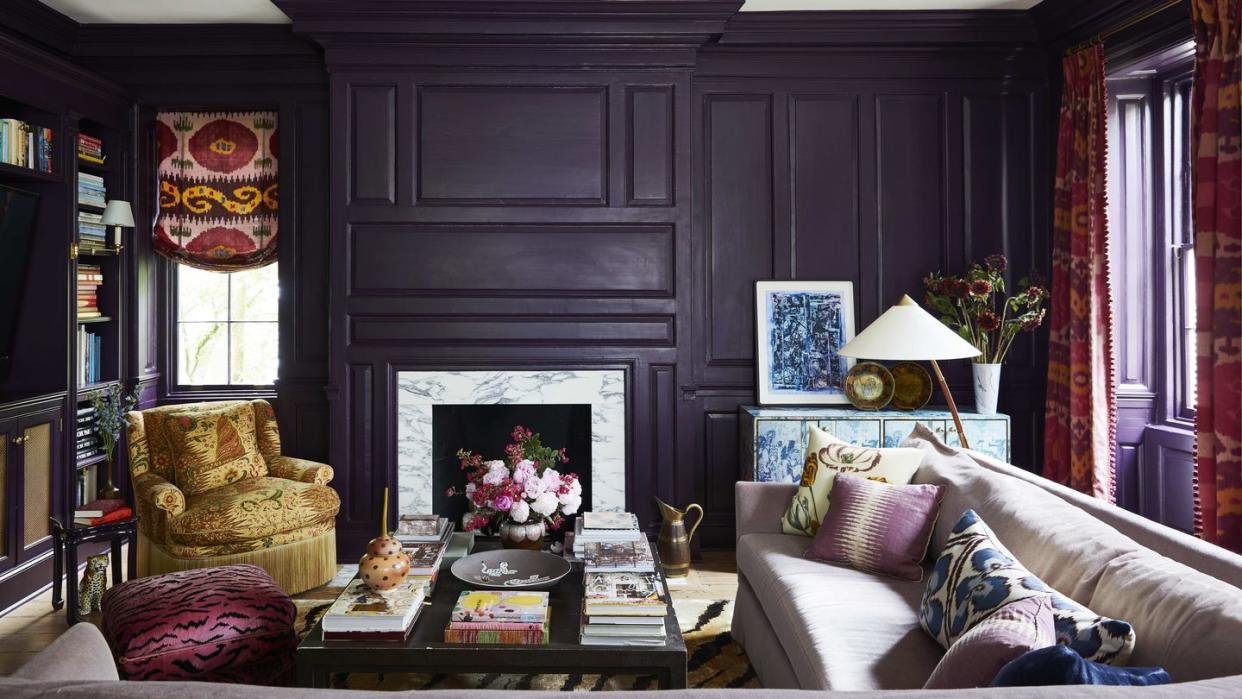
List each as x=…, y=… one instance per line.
x=826, y=456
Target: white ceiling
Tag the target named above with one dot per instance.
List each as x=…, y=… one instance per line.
x=264, y=12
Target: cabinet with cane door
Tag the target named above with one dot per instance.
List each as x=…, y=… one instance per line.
x=32, y=482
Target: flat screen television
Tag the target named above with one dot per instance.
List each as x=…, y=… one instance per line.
x=17, y=218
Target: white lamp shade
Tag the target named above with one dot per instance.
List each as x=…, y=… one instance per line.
x=906, y=332
x=118, y=213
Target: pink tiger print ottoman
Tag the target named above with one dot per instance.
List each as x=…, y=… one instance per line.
x=228, y=624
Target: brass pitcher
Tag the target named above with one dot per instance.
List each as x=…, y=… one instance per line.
x=673, y=543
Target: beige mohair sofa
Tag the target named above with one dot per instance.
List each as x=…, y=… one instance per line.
x=811, y=625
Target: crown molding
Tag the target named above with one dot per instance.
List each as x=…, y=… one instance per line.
x=180, y=40
x=628, y=22
x=1064, y=23
x=881, y=28
x=32, y=20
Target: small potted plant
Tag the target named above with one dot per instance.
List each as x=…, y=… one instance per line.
x=110, y=408
x=522, y=496
x=978, y=308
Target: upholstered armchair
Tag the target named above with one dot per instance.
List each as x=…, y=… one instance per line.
x=212, y=488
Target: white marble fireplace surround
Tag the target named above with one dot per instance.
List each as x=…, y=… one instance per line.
x=603, y=390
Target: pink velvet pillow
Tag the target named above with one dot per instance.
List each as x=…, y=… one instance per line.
x=876, y=527
x=1010, y=632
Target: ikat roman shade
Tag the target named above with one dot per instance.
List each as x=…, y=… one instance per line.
x=218, y=188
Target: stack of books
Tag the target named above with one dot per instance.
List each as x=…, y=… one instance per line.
x=604, y=527
x=85, y=428
x=91, y=190
x=612, y=542
x=92, y=234
x=90, y=278
x=24, y=145
x=362, y=613
x=502, y=617
x=623, y=609
x=425, y=539
x=90, y=149
x=99, y=512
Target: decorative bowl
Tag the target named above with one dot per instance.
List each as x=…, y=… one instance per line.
x=869, y=386
x=912, y=386
x=511, y=569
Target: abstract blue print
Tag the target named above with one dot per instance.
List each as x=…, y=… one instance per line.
x=806, y=329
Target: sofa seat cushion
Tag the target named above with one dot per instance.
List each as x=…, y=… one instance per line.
x=841, y=628
x=252, y=509
x=211, y=624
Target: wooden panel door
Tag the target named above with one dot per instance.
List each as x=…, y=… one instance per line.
x=41, y=480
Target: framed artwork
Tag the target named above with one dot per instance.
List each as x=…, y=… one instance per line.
x=801, y=326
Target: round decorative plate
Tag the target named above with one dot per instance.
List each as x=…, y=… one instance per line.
x=869, y=386
x=912, y=386
x=511, y=569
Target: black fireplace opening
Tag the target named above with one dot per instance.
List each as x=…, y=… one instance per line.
x=487, y=429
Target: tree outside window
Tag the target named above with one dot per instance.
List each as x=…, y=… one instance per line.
x=227, y=327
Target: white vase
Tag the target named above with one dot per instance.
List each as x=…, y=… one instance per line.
x=987, y=387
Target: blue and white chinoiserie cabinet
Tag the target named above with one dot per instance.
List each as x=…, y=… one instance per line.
x=774, y=439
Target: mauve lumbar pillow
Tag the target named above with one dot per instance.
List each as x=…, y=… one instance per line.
x=876, y=527
x=1011, y=631
x=1061, y=665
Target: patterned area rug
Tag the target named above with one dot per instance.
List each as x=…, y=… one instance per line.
x=713, y=658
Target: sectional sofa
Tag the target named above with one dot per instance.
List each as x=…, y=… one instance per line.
x=810, y=625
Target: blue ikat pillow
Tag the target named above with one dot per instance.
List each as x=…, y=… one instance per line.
x=976, y=575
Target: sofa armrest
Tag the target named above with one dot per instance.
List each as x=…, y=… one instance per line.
x=79, y=654
x=158, y=502
x=294, y=469
x=760, y=506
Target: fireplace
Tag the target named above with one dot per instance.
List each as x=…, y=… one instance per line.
x=436, y=416
x=485, y=430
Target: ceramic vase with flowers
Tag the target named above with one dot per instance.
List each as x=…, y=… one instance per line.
x=110, y=408
x=521, y=497
x=977, y=306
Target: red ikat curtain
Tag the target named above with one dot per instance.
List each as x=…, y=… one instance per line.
x=1080, y=415
x=218, y=188
x=1218, y=273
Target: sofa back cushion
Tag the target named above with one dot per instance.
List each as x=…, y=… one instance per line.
x=1187, y=622
x=213, y=448
x=1064, y=546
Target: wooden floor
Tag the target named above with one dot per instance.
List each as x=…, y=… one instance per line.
x=29, y=628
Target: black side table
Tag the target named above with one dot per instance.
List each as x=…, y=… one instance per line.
x=65, y=541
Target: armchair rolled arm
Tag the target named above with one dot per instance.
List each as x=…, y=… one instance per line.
x=158, y=503
x=295, y=469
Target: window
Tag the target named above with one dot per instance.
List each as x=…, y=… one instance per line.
x=227, y=327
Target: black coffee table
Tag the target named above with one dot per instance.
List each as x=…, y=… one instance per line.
x=426, y=651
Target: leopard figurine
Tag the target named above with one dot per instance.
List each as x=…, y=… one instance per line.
x=94, y=581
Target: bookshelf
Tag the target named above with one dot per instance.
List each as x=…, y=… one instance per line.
x=42, y=471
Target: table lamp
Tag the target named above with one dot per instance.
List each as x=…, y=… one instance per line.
x=906, y=332
x=117, y=214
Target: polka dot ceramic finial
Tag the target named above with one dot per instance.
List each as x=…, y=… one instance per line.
x=384, y=564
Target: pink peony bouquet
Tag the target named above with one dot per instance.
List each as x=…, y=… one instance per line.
x=523, y=487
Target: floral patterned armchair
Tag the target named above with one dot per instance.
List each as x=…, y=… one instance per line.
x=211, y=488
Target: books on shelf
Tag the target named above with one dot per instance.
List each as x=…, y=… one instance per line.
x=90, y=356
x=508, y=617
x=91, y=190
x=26, y=145
x=619, y=556
x=623, y=609
x=360, y=612
x=90, y=149
x=87, y=485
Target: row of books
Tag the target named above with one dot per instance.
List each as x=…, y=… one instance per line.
x=87, y=485
x=623, y=609
x=99, y=512
x=90, y=360
x=90, y=149
x=25, y=145
x=90, y=278
x=87, y=442
x=86, y=421
x=91, y=190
